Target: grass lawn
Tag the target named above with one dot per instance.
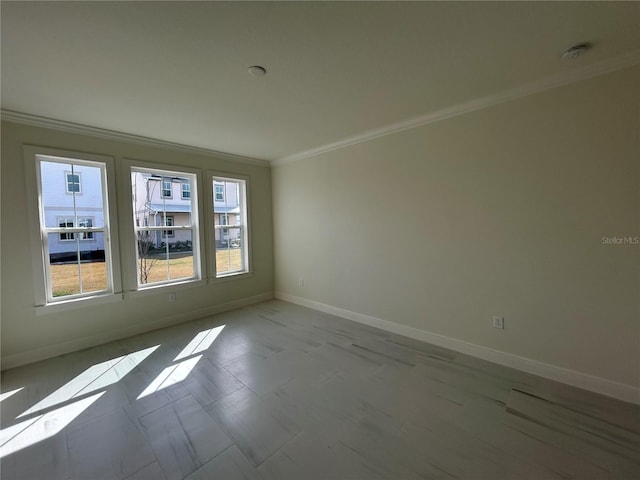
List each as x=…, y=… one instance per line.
x=65, y=278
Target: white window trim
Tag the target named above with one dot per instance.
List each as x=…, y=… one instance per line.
x=39, y=266
x=128, y=229
x=210, y=220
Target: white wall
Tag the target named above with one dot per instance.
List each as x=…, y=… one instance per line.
x=27, y=336
x=500, y=211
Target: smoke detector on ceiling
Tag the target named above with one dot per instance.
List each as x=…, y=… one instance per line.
x=575, y=51
x=257, y=71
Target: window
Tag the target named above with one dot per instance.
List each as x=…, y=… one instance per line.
x=73, y=182
x=85, y=223
x=71, y=231
x=164, y=256
x=219, y=189
x=166, y=188
x=68, y=223
x=186, y=190
x=230, y=226
x=168, y=223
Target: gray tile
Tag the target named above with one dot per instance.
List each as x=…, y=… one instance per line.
x=489, y=422
x=229, y=465
x=256, y=429
x=586, y=428
x=308, y=457
x=228, y=350
x=583, y=429
x=136, y=383
x=263, y=375
x=184, y=437
x=209, y=382
x=108, y=447
x=45, y=459
x=150, y=472
x=325, y=398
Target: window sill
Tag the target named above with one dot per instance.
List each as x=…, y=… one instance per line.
x=230, y=277
x=78, y=303
x=164, y=288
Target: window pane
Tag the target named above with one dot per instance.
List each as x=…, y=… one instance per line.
x=93, y=272
x=72, y=274
x=56, y=202
x=161, y=259
x=165, y=254
x=230, y=229
x=150, y=205
x=89, y=204
x=65, y=274
x=72, y=194
x=229, y=253
x=84, y=201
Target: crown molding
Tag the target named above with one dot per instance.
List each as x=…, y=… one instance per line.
x=37, y=121
x=565, y=78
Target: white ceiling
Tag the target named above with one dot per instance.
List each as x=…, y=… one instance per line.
x=177, y=71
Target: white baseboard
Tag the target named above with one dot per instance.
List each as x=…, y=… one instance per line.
x=49, y=351
x=592, y=383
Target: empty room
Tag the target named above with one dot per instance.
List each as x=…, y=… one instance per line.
x=320, y=240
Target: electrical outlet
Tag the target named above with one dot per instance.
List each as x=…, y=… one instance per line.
x=301, y=282
x=172, y=297
x=498, y=322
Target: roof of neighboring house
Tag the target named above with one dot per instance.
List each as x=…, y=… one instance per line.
x=168, y=207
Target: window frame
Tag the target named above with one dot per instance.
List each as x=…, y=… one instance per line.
x=245, y=225
x=130, y=229
x=43, y=296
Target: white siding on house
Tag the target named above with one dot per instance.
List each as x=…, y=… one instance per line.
x=59, y=205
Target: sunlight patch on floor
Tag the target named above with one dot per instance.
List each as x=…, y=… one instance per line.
x=170, y=376
x=200, y=342
x=37, y=429
x=5, y=395
x=94, y=378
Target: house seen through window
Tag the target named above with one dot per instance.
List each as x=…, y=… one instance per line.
x=74, y=227
x=230, y=226
x=164, y=255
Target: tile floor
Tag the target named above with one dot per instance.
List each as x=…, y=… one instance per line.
x=278, y=391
